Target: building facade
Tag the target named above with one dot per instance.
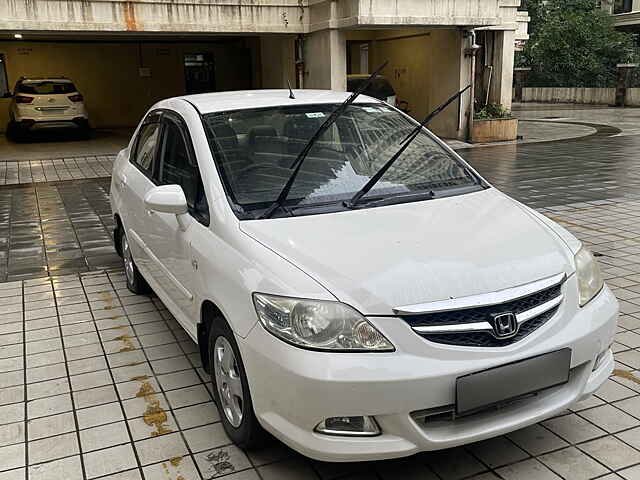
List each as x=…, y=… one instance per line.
x=126, y=54
x=626, y=13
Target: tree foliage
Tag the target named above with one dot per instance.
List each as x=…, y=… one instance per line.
x=573, y=44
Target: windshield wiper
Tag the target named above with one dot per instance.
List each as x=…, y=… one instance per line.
x=297, y=164
x=353, y=202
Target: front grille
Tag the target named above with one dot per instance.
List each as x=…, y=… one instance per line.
x=484, y=314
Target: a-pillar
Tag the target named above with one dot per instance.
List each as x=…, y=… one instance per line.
x=502, y=79
x=325, y=57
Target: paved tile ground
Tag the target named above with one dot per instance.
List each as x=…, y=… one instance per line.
x=55, y=228
x=71, y=168
x=98, y=383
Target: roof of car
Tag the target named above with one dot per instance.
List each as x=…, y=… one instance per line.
x=225, y=101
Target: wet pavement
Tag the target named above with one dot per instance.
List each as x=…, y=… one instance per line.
x=98, y=383
x=55, y=228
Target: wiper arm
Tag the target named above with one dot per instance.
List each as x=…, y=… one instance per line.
x=297, y=164
x=405, y=144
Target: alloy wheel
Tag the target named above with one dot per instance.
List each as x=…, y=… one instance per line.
x=128, y=260
x=228, y=381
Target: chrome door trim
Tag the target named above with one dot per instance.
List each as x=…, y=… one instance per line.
x=481, y=300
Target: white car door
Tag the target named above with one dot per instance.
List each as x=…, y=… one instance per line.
x=133, y=181
x=168, y=237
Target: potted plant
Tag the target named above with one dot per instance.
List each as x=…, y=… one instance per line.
x=493, y=123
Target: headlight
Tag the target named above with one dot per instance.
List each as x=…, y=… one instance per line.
x=590, y=280
x=318, y=324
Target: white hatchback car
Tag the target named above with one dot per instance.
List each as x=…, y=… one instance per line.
x=40, y=103
x=428, y=311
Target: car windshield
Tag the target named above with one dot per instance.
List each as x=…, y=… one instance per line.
x=46, y=87
x=255, y=150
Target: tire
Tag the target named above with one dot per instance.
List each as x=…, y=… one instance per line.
x=15, y=133
x=243, y=429
x=84, y=134
x=135, y=281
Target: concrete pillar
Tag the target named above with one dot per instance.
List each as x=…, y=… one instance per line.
x=624, y=70
x=520, y=79
x=502, y=80
x=278, y=61
x=325, y=57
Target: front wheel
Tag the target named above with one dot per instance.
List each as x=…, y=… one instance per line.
x=230, y=388
x=135, y=281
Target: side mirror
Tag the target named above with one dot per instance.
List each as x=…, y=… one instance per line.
x=166, y=199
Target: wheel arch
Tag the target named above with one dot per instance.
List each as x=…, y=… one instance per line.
x=116, y=233
x=208, y=312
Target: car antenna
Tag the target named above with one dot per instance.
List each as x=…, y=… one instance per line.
x=291, y=95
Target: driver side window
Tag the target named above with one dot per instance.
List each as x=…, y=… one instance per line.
x=179, y=167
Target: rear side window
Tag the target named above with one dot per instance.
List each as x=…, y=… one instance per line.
x=146, y=146
x=46, y=87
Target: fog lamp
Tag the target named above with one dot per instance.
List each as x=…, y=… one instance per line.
x=601, y=356
x=349, y=426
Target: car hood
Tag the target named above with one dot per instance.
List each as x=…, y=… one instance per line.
x=380, y=258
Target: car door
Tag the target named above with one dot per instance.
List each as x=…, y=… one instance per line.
x=133, y=182
x=169, y=238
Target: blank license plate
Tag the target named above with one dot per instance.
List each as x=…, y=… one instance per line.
x=499, y=384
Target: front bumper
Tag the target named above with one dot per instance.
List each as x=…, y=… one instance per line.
x=293, y=389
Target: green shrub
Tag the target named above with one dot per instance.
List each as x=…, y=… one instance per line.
x=491, y=111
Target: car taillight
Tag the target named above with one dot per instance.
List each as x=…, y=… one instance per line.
x=76, y=98
x=23, y=99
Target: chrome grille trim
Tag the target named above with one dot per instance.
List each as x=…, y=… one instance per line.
x=486, y=326
x=482, y=300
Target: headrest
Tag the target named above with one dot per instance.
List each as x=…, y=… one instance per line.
x=261, y=131
x=225, y=135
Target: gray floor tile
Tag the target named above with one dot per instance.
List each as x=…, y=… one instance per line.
x=527, y=470
x=99, y=415
x=12, y=433
x=103, y=436
x=66, y=468
x=52, y=448
x=295, y=469
x=573, y=428
x=178, y=468
x=197, y=415
x=13, y=456
x=111, y=460
x=222, y=461
x=161, y=448
x=50, y=426
x=206, y=438
x=610, y=418
x=497, y=452
x=611, y=452
x=572, y=463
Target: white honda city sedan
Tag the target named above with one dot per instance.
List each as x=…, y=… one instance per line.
x=356, y=289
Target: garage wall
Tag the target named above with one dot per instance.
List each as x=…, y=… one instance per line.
x=108, y=74
x=278, y=60
x=424, y=69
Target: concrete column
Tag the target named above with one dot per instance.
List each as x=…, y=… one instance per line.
x=278, y=61
x=624, y=71
x=520, y=77
x=325, y=57
x=502, y=81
